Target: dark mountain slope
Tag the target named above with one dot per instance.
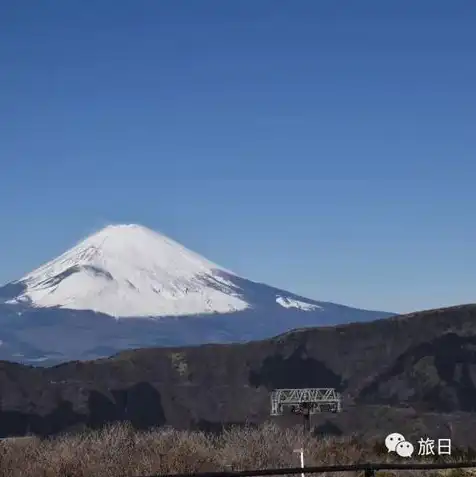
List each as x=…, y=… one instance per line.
x=400, y=373
x=50, y=336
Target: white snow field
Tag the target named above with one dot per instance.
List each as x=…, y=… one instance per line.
x=131, y=271
x=292, y=303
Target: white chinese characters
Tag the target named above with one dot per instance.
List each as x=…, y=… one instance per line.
x=397, y=443
x=427, y=447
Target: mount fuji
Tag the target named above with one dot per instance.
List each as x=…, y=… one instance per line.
x=127, y=286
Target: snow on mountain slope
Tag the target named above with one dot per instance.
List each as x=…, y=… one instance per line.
x=131, y=271
x=70, y=308
x=293, y=303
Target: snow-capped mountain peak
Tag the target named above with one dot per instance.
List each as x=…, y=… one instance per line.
x=130, y=270
x=63, y=310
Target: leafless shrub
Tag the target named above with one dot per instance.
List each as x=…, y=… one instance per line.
x=120, y=451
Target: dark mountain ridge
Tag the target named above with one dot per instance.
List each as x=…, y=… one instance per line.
x=412, y=373
x=48, y=336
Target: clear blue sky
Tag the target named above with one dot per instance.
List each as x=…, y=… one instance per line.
x=325, y=147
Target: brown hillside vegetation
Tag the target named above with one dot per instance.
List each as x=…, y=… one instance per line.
x=120, y=451
x=414, y=374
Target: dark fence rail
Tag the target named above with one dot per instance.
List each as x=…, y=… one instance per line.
x=369, y=469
